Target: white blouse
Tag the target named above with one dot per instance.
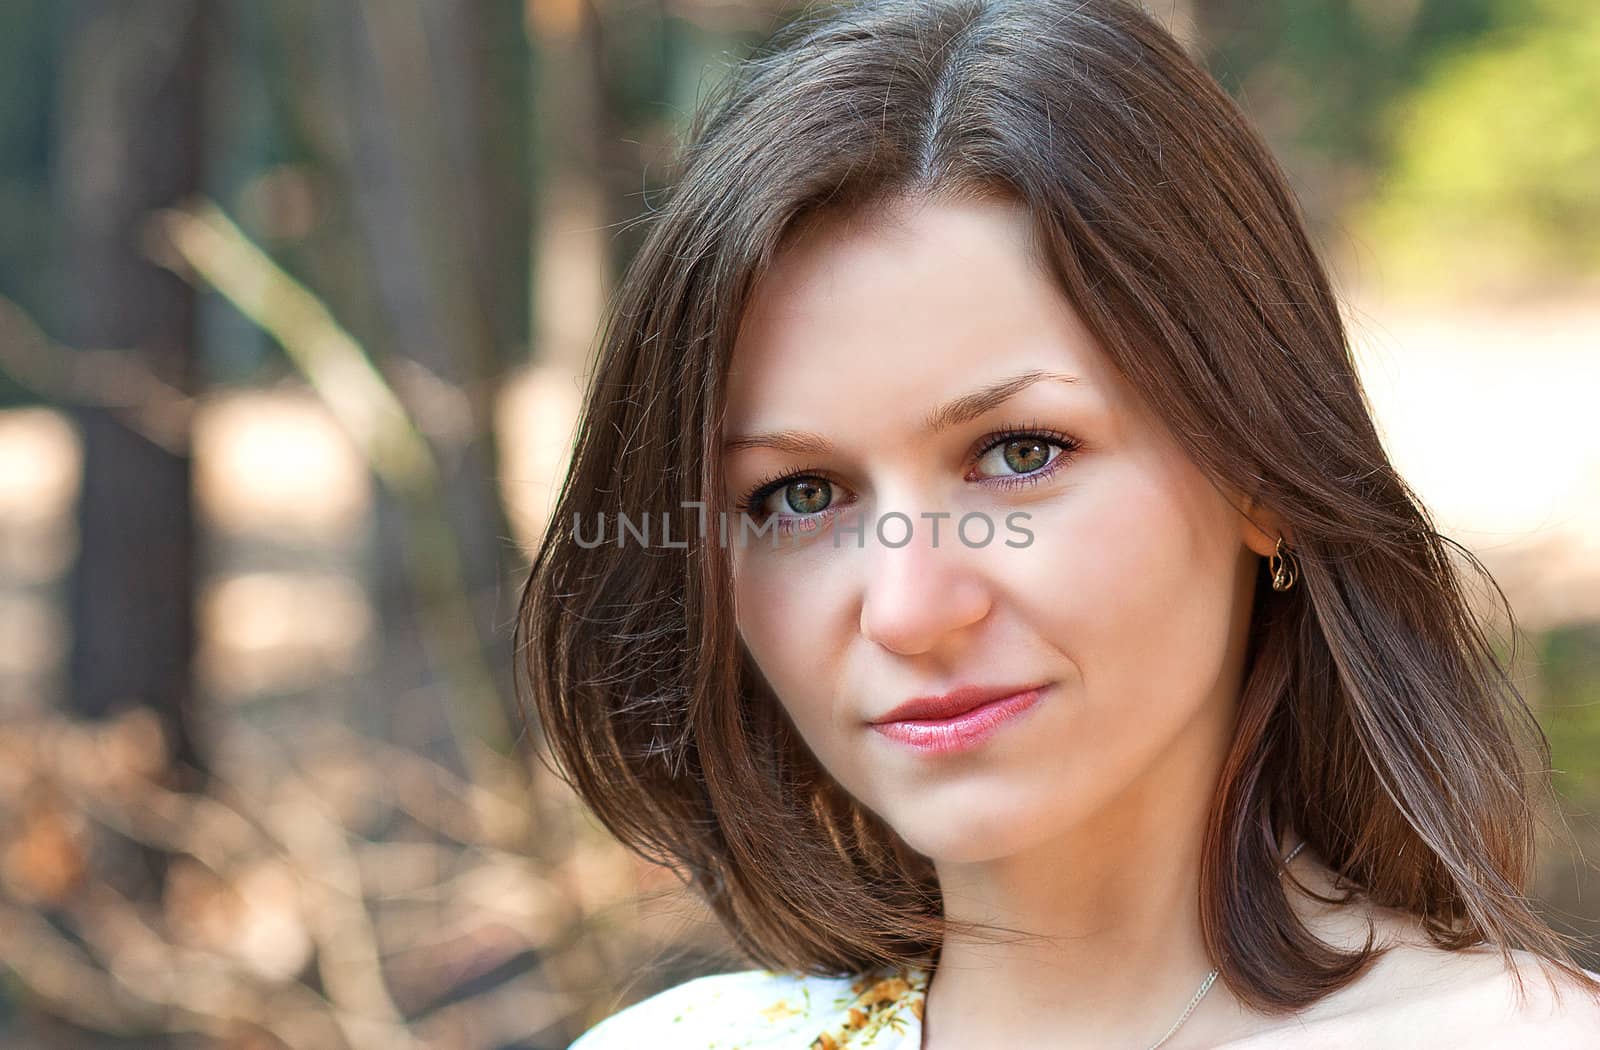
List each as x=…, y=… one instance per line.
x=768, y=1010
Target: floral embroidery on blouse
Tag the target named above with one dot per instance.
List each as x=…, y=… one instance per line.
x=882, y=1002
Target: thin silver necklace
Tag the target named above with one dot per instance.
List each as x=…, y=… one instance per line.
x=1205, y=985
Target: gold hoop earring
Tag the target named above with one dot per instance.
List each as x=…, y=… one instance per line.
x=1281, y=561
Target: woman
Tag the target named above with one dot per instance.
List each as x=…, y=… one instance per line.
x=1035, y=646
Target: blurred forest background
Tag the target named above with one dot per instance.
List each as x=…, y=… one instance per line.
x=295, y=298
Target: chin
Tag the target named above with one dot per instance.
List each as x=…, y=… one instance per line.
x=970, y=836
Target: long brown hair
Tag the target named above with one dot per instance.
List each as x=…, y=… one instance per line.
x=1375, y=719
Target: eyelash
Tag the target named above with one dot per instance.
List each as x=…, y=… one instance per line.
x=750, y=503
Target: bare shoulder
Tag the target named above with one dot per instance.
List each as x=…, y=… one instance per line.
x=1427, y=996
x=1539, y=1004
x=1418, y=994
x=1477, y=998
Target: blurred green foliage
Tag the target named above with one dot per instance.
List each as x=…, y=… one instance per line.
x=1494, y=181
x=1317, y=77
x=1569, y=680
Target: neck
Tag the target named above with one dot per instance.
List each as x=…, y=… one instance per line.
x=1112, y=951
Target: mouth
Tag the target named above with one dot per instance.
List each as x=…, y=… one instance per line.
x=963, y=724
x=954, y=703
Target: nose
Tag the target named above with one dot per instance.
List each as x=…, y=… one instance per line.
x=917, y=594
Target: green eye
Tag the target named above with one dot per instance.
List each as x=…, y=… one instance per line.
x=1020, y=455
x=1026, y=455
x=808, y=495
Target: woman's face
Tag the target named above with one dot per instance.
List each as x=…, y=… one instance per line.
x=1116, y=572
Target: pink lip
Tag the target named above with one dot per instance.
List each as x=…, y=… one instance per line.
x=961, y=728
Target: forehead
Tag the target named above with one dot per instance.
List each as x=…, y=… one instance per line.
x=904, y=306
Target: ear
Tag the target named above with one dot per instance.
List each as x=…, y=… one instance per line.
x=1262, y=526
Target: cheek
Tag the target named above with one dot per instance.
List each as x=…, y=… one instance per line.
x=781, y=615
x=757, y=610
x=1133, y=584
x=768, y=596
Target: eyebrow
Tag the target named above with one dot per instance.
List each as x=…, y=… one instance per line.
x=950, y=414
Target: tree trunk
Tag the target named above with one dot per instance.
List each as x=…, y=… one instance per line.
x=130, y=132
